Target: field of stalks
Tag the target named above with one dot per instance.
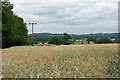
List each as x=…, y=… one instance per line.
x=72, y=61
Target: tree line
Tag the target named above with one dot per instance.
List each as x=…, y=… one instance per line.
x=67, y=39
x=14, y=29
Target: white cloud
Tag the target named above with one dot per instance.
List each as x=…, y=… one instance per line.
x=73, y=16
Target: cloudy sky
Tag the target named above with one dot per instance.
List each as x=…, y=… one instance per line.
x=71, y=16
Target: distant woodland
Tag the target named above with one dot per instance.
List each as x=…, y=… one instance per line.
x=98, y=38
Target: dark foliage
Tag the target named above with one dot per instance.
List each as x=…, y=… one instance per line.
x=66, y=38
x=56, y=40
x=14, y=30
x=104, y=40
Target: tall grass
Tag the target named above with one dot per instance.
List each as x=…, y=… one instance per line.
x=73, y=61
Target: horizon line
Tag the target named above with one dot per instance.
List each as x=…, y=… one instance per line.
x=75, y=33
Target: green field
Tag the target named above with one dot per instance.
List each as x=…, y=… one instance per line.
x=72, y=61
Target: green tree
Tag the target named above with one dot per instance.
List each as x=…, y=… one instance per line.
x=104, y=40
x=117, y=41
x=14, y=30
x=92, y=39
x=56, y=40
x=66, y=38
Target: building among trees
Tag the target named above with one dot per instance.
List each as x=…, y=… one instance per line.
x=78, y=42
x=46, y=42
x=40, y=42
x=91, y=42
x=85, y=42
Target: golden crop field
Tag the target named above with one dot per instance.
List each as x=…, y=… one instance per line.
x=72, y=61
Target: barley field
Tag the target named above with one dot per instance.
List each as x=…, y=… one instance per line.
x=72, y=61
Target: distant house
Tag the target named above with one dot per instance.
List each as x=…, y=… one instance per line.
x=46, y=42
x=40, y=42
x=85, y=42
x=78, y=42
x=113, y=39
x=92, y=42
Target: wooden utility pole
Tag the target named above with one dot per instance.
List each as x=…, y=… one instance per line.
x=32, y=33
